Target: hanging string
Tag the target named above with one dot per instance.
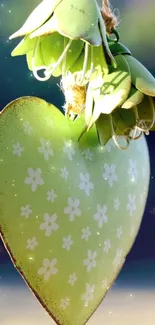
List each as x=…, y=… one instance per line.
x=110, y=19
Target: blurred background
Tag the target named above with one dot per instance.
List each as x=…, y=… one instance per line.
x=132, y=298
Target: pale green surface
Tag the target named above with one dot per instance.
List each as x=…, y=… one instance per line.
x=84, y=15
x=98, y=178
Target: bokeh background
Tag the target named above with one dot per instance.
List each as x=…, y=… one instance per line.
x=137, y=280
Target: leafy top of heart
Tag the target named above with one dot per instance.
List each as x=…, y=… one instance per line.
x=105, y=84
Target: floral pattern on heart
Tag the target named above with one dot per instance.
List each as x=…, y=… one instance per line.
x=74, y=210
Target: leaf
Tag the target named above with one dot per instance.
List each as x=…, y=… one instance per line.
x=38, y=16
x=114, y=90
x=26, y=45
x=78, y=21
x=104, y=131
x=146, y=111
x=124, y=120
x=142, y=79
x=117, y=48
x=135, y=98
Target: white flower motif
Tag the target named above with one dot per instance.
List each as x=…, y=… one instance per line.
x=119, y=232
x=105, y=284
x=85, y=183
x=73, y=208
x=17, y=149
x=27, y=128
x=51, y=196
x=48, y=268
x=31, y=243
x=34, y=178
x=25, y=211
x=101, y=216
x=119, y=258
x=64, y=173
x=72, y=279
x=90, y=261
x=49, y=225
x=86, y=233
x=50, y=122
x=110, y=174
x=64, y=303
x=109, y=145
x=67, y=243
x=107, y=245
x=88, y=155
x=132, y=170
x=89, y=294
x=69, y=150
x=45, y=149
x=131, y=205
x=116, y=203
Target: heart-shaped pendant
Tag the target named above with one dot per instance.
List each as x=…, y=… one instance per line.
x=69, y=210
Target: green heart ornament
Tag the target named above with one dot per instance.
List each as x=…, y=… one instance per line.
x=69, y=210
